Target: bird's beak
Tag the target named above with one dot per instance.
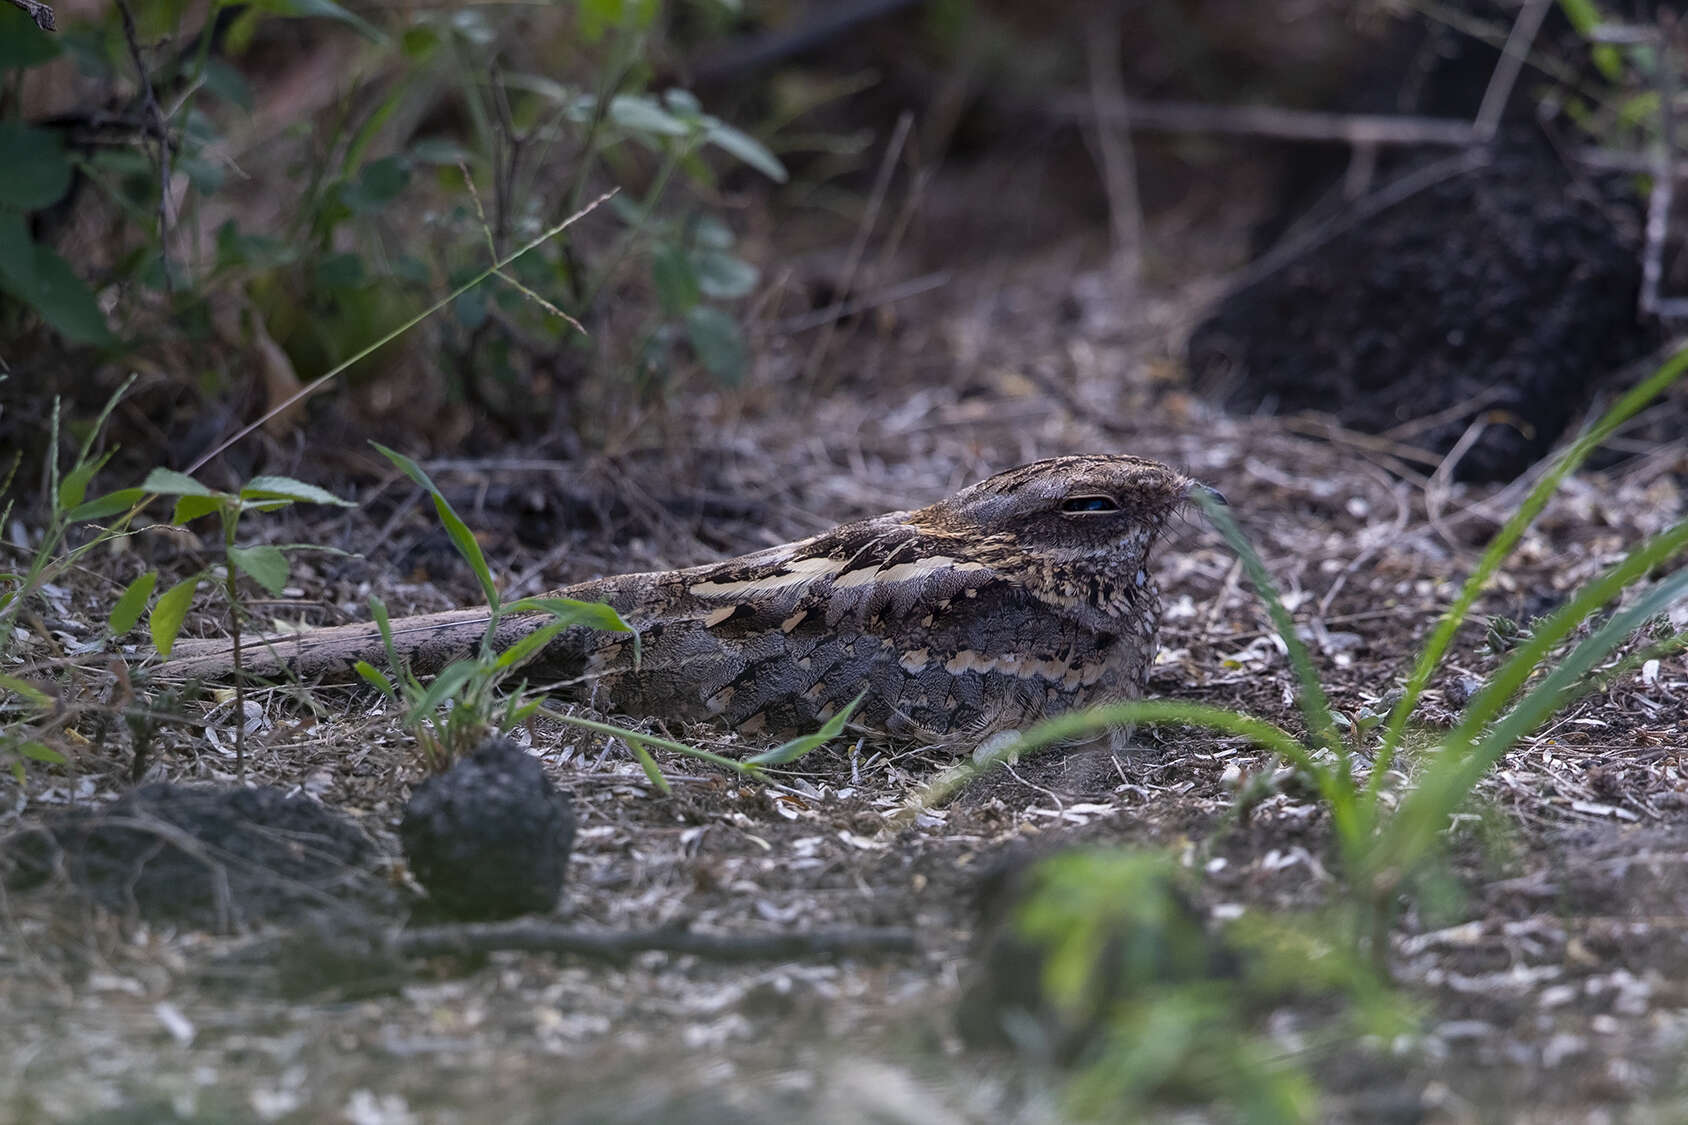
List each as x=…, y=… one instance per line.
x=1197, y=493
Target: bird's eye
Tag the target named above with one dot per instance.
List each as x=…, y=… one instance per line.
x=1083, y=504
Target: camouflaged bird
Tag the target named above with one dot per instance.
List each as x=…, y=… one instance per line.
x=1023, y=596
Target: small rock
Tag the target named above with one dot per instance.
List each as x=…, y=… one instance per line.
x=490, y=837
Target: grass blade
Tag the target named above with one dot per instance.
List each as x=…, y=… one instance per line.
x=1502, y=545
x=1315, y=707
x=801, y=745
x=461, y=537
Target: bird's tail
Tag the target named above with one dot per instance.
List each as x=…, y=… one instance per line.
x=427, y=643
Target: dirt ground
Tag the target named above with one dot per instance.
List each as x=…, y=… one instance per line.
x=1551, y=986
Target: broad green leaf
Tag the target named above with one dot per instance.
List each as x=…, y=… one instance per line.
x=131, y=603
x=37, y=276
x=712, y=234
x=801, y=745
x=74, y=487
x=22, y=43
x=108, y=505
x=256, y=251
x=264, y=564
x=37, y=170
x=228, y=83
x=41, y=752
x=597, y=17
x=723, y=276
x=169, y=611
x=718, y=341
x=168, y=482
x=461, y=537
x=286, y=488
x=340, y=271
x=190, y=508
x=17, y=254
x=378, y=184
x=682, y=102
x=639, y=114
x=677, y=287
x=747, y=148
x=25, y=689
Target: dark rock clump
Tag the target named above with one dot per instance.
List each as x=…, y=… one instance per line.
x=490, y=837
x=1506, y=292
x=205, y=857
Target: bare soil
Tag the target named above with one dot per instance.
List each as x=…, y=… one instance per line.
x=1550, y=976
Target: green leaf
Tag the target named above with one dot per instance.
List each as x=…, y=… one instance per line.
x=647, y=763
x=25, y=689
x=722, y=276
x=718, y=342
x=264, y=564
x=17, y=255
x=323, y=9
x=340, y=271
x=131, y=603
x=461, y=537
x=190, y=508
x=75, y=484
x=1502, y=545
x=37, y=170
x=22, y=43
x=747, y=148
x=682, y=102
x=1315, y=707
x=527, y=646
x=169, y=611
x=228, y=83
x=712, y=234
x=37, y=276
x=801, y=745
x=41, y=752
x=677, y=287
x=168, y=482
x=568, y=611
x=108, y=505
x=378, y=184
x=639, y=114
x=376, y=678
x=378, y=610
x=594, y=615
x=445, y=686
x=286, y=488
x=256, y=251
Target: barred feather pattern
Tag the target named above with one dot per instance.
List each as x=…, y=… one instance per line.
x=1025, y=595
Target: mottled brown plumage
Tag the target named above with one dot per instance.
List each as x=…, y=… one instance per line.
x=1025, y=595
